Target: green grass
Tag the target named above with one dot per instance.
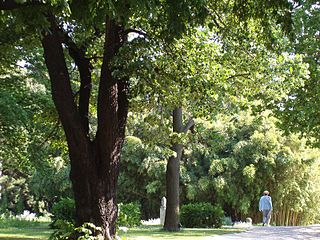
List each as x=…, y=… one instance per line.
x=40, y=232
x=156, y=233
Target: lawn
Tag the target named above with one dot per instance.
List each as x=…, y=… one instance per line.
x=39, y=232
x=156, y=233
x=42, y=232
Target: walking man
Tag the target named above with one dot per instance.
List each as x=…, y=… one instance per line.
x=265, y=205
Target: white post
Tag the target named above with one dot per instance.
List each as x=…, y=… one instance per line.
x=163, y=210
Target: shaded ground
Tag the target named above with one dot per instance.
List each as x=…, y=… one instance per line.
x=157, y=233
x=41, y=232
x=274, y=233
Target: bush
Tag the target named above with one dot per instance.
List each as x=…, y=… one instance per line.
x=67, y=230
x=20, y=221
x=64, y=210
x=201, y=215
x=64, y=230
x=129, y=215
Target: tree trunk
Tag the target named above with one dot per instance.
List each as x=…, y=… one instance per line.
x=0, y=177
x=94, y=164
x=172, y=178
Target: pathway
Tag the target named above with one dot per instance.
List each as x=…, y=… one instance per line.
x=274, y=233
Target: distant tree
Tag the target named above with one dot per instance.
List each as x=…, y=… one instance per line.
x=204, y=74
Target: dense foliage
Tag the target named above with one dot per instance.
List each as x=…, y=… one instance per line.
x=201, y=215
x=299, y=112
x=129, y=215
x=242, y=155
x=229, y=161
x=67, y=230
x=142, y=175
x=64, y=210
x=32, y=150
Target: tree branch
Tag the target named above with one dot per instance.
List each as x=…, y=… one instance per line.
x=60, y=84
x=84, y=68
x=189, y=125
x=131, y=30
x=239, y=75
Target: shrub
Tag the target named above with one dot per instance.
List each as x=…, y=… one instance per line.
x=27, y=219
x=8, y=220
x=67, y=230
x=64, y=230
x=64, y=210
x=201, y=215
x=129, y=215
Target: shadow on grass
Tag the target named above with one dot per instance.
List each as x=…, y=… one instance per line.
x=41, y=232
x=156, y=232
x=22, y=238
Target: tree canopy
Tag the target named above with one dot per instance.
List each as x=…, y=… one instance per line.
x=299, y=111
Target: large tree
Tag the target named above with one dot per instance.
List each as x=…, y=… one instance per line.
x=87, y=35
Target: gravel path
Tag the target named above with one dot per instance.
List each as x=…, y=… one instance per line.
x=274, y=233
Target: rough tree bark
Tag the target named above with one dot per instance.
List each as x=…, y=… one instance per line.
x=94, y=163
x=172, y=221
